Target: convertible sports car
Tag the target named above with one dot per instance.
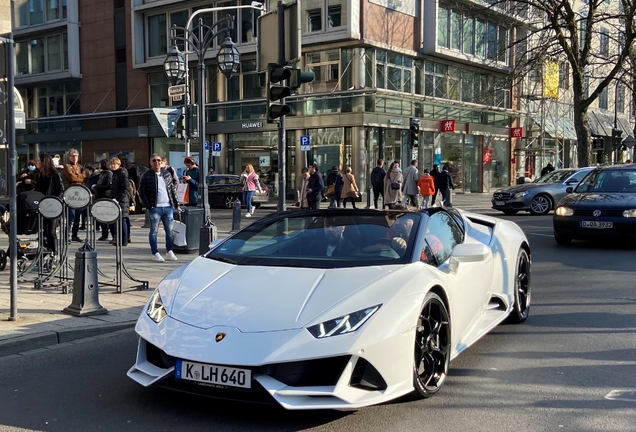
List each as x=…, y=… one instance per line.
x=326, y=309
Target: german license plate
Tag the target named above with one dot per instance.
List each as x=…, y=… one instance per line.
x=214, y=375
x=597, y=225
x=500, y=203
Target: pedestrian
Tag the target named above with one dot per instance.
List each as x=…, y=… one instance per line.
x=334, y=187
x=191, y=177
x=315, y=187
x=74, y=175
x=435, y=174
x=26, y=179
x=350, y=189
x=119, y=192
x=173, y=173
x=102, y=190
x=547, y=169
x=158, y=192
x=392, y=185
x=377, y=182
x=426, y=185
x=445, y=187
x=250, y=184
x=409, y=184
x=133, y=174
x=302, y=197
x=49, y=183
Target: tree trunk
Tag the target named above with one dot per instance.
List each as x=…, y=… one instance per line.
x=582, y=127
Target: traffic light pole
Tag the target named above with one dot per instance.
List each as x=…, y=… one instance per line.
x=282, y=164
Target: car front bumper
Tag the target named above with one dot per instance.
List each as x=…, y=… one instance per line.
x=570, y=227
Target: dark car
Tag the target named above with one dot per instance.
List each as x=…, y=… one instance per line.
x=539, y=196
x=224, y=189
x=602, y=206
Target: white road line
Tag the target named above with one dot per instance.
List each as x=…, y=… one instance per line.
x=541, y=235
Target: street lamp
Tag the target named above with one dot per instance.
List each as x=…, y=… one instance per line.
x=176, y=67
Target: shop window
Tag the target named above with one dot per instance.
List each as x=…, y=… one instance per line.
x=314, y=20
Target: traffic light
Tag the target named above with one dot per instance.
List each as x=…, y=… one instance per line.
x=299, y=77
x=277, y=90
x=617, y=139
x=415, y=132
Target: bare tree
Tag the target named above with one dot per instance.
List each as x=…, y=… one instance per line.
x=594, y=37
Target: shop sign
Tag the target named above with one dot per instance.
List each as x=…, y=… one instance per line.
x=516, y=132
x=448, y=126
x=251, y=125
x=396, y=121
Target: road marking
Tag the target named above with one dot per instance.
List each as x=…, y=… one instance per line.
x=541, y=235
x=622, y=395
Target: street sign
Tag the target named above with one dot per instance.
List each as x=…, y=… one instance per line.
x=216, y=149
x=305, y=143
x=176, y=90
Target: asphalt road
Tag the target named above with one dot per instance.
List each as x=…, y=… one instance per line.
x=570, y=367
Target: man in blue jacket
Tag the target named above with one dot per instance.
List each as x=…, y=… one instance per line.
x=315, y=187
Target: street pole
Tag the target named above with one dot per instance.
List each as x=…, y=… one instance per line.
x=13, y=157
x=203, y=160
x=282, y=164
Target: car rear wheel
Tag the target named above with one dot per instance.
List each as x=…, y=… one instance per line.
x=522, y=289
x=540, y=205
x=561, y=239
x=228, y=201
x=510, y=212
x=432, y=347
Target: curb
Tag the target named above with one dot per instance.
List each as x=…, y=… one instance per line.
x=21, y=344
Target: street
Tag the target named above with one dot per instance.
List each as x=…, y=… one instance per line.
x=570, y=367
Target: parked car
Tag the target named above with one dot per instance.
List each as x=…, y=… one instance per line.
x=276, y=314
x=602, y=207
x=224, y=189
x=539, y=196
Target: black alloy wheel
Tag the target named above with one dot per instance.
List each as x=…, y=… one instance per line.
x=510, y=212
x=522, y=288
x=432, y=347
x=561, y=239
x=228, y=201
x=540, y=205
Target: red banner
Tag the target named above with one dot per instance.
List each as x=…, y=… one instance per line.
x=516, y=132
x=447, y=126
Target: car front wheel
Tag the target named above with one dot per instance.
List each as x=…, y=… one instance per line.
x=432, y=347
x=540, y=205
x=522, y=288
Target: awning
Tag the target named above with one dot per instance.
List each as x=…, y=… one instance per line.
x=602, y=122
x=557, y=127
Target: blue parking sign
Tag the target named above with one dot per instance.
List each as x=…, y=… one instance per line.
x=305, y=143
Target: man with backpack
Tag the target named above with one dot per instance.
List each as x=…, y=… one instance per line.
x=377, y=182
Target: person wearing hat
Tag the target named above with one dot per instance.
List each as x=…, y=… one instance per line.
x=191, y=177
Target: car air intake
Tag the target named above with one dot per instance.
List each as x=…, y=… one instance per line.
x=366, y=377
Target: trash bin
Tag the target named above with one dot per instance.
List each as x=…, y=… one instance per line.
x=192, y=217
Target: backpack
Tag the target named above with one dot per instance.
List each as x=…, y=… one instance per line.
x=132, y=192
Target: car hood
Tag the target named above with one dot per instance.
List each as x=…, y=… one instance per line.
x=259, y=299
x=523, y=187
x=595, y=200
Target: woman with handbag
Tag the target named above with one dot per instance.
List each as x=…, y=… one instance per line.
x=48, y=182
x=349, y=189
x=250, y=184
x=392, y=185
x=334, y=187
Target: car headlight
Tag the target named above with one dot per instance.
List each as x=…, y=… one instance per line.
x=563, y=211
x=342, y=325
x=629, y=213
x=155, y=310
x=520, y=194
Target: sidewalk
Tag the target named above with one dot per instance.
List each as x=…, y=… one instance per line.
x=42, y=324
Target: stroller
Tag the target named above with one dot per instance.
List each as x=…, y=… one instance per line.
x=27, y=225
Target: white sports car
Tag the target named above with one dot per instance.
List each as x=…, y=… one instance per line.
x=324, y=309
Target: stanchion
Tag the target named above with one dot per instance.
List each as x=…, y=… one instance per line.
x=207, y=235
x=369, y=192
x=236, y=216
x=85, y=285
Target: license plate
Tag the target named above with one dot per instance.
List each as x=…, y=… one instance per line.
x=500, y=203
x=597, y=225
x=214, y=375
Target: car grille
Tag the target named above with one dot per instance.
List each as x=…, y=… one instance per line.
x=604, y=213
x=502, y=196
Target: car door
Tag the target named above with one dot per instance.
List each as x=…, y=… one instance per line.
x=216, y=183
x=571, y=181
x=468, y=287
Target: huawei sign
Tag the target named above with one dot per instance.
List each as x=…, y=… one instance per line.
x=448, y=125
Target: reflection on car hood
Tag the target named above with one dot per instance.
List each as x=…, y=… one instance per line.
x=600, y=200
x=253, y=298
x=522, y=187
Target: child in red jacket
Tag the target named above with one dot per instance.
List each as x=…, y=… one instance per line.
x=426, y=184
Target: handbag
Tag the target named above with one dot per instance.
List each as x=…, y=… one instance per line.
x=331, y=190
x=395, y=186
x=179, y=233
x=183, y=195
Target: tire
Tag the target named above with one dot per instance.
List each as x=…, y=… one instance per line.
x=3, y=259
x=522, y=289
x=561, y=239
x=432, y=347
x=510, y=212
x=228, y=201
x=540, y=205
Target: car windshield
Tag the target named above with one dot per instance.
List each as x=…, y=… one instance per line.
x=323, y=239
x=609, y=181
x=554, y=176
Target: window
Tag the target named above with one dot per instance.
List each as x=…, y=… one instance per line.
x=37, y=56
x=602, y=99
x=57, y=100
x=582, y=29
x=442, y=235
x=456, y=30
x=469, y=35
x=326, y=68
x=157, y=36
x=253, y=82
x=314, y=20
x=158, y=83
x=34, y=12
x=620, y=97
x=442, y=27
x=393, y=71
x=334, y=16
x=179, y=18
x=52, y=10
x=604, y=42
x=492, y=41
x=54, y=53
x=480, y=38
x=248, y=20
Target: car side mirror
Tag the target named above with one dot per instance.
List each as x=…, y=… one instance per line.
x=571, y=182
x=468, y=253
x=569, y=189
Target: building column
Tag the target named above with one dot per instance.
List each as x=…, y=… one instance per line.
x=221, y=91
x=359, y=157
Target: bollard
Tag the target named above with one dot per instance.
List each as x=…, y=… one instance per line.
x=369, y=192
x=236, y=216
x=85, y=285
x=146, y=220
x=207, y=235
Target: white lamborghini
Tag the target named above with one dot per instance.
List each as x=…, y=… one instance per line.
x=326, y=309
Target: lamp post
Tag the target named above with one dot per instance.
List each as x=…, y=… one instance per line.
x=176, y=68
